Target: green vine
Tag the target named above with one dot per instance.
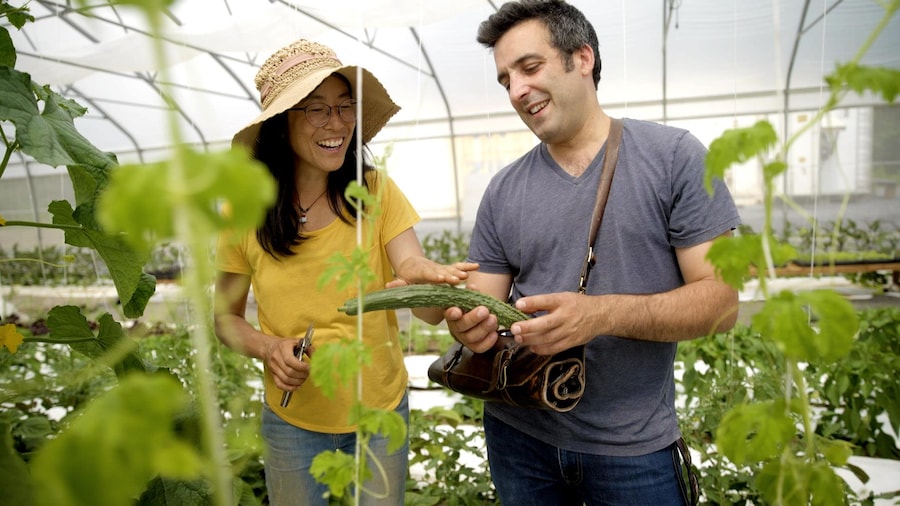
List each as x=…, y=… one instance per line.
x=817, y=327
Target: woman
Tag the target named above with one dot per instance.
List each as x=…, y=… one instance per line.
x=306, y=135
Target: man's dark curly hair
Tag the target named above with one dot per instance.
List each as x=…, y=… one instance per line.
x=569, y=28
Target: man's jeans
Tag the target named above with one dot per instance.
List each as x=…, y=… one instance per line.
x=292, y=449
x=526, y=471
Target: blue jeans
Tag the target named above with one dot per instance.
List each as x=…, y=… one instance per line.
x=527, y=471
x=291, y=451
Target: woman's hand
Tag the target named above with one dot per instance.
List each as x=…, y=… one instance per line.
x=421, y=270
x=288, y=371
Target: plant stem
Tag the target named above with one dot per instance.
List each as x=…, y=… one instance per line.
x=10, y=148
x=19, y=223
x=189, y=229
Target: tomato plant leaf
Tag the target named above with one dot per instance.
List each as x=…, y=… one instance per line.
x=754, y=432
x=838, y=323
x=784, y=481
x=784, y=319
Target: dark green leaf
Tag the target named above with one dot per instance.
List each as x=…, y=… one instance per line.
x=169, y=492
x=125, y=264
x=7, y=49
x=48, y=136
x=68, y=326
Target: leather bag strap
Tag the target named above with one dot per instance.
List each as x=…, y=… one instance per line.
x=609, y=168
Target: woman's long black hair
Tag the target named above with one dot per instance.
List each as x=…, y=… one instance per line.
x=281, y=229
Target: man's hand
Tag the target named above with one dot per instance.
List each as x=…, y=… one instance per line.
x=476, y=330
x=565, y=324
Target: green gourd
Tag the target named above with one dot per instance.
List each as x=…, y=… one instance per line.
x=442, y=296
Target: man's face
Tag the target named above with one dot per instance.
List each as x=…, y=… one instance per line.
x=548, y=96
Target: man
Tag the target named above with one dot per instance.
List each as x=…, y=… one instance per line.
x=651, y=287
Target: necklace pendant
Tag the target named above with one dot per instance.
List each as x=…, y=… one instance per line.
x=303, y=218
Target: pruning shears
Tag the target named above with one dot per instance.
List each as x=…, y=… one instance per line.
x=299, y=349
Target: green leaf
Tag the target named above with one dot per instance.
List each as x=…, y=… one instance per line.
x=15, y=480
x=737, y=145
x=166, y=491
x=838, y=323
x=112, y=449
x=784, y=319
x=7, y=49
x=68, y=326
x=783, y=481
x=17, y=16
x=125, y=264
x=754, y=432
x=48, y=136
x=836, y=452
x=336, y=364
x=347, y=271
x=882, y=81
x=143, y=201
x=379, y=421
x=335, y=469
x=826, y=486
x=773, y=169
x=733, y=256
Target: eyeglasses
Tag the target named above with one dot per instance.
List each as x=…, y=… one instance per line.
x=319, y=114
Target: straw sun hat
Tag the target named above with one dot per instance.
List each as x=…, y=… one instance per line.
x=293, y=72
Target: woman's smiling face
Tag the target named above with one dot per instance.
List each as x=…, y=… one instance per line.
x=322, y=148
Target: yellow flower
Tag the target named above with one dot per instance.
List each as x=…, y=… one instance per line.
x=2, y=221
x=10, y=338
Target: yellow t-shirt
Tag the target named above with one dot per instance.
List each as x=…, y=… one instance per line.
x=288, y=299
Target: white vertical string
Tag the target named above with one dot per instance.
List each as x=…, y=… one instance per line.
x=734, y=62
x=357, y=450
x=624, y=55
x=815, y=211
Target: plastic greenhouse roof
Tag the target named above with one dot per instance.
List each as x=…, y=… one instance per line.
x=722, y=58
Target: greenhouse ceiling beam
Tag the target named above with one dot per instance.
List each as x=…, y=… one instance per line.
x=368, y=43
x=443, y=95
x=219, y=58
x=798, y=37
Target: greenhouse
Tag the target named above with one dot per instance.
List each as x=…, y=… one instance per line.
x=105, y=280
